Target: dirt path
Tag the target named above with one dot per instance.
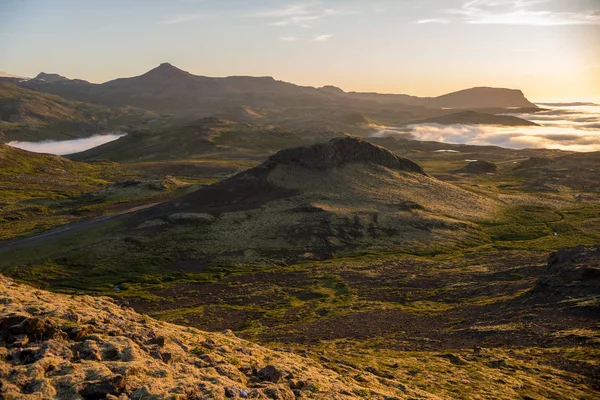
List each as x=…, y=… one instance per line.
x=12, y=244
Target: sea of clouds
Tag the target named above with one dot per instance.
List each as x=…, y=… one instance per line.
x=62, y=147
x=566, y=126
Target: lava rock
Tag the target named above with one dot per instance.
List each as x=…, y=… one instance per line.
x=270, y=374
x=100, y=389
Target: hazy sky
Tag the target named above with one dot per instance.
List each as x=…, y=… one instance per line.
x=548, y=48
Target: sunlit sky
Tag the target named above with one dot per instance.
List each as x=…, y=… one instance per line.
x=548, y=48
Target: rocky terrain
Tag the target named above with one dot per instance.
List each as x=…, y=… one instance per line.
x=57, y=346
x=84, y=347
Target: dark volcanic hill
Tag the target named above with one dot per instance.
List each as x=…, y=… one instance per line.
x=309, y=202
x=342, y=151
x=475, y=118
x=168, y=89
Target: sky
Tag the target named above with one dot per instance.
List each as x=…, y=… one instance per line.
x=550, y=49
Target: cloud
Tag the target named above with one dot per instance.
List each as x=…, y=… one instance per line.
x=288, y=38
x=509, y=137
x=520, y=12
x=300, y=14
x=65, y=146
x=181, y=19
x=289, y=11
x=565, y=127
x=433, y=21
x=322, y=38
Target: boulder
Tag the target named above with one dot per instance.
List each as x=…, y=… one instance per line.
x=97, y=390
x=270, y=374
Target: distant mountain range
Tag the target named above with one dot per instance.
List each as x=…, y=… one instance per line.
x=167, y=89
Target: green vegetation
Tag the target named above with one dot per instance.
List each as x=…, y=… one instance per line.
x=203, y=138
x=431, y=282
x=40, y=191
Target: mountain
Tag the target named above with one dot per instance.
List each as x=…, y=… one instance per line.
x=29, y=115
x=168, y=89
x=308, y=202
x=480, y=97
x=92, y=348
x=332, y=89
x=475, y=118
x=50, y=78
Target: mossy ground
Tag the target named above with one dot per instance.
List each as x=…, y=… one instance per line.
x=39, y=192
x=460, y=322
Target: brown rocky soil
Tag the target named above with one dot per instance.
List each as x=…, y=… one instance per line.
x=56, y=346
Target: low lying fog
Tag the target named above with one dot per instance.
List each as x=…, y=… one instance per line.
x=62, y=147
x=566, y=127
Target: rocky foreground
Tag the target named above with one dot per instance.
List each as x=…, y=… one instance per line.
x=82, y=347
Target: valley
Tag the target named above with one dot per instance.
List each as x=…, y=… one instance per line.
x=275, y=241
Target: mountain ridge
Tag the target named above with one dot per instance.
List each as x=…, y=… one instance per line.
x=168, y=88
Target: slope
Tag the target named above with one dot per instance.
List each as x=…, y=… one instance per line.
x=29, y=115
x=315, y=202
x=205, y=137
x=56, y=346
x=42, y=191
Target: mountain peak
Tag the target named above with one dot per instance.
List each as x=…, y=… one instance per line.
x=166, y=70
x=332, y=89
x=341, y=151
x=50, y=78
